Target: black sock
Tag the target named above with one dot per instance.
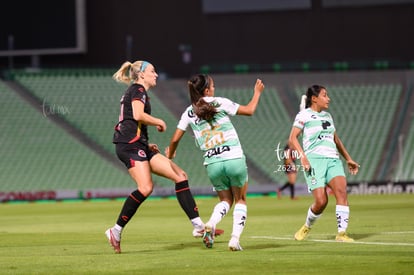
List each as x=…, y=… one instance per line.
x=186, y=199
x=130, y=207
x=292, y=191
x=284, y=186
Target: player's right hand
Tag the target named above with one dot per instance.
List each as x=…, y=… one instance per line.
x=259, y=86
x=161, y=127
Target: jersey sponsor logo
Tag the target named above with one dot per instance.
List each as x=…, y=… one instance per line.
x=142, y=154
x=192, y=115
x=321, y=136
x=217, y=151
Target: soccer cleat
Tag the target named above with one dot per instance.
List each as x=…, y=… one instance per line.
x=208, y=236
x=301, y=234
x=113, y=241
x=342, y=237
x=198, y=233
x=234, y=245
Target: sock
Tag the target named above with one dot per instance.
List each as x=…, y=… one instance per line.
x=311, y=218
x=186, y=199
x=130, y=207
x=292, y=191
x=117, y=231
x=239, y=219
x=197, y=223
x=342, y=217
x=118, y=228
x=284, y=186
x=220, y=210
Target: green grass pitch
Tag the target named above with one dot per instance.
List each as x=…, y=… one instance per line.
x=68, y=238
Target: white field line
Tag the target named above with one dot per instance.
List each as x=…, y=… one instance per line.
x=331, y=241
x=392, y=233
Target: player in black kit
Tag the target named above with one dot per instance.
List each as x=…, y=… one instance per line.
x=141, y=157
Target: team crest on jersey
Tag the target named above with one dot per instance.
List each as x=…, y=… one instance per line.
x=325, y=124
x=142, y=154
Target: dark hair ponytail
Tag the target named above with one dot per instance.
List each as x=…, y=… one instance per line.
x=196, y=88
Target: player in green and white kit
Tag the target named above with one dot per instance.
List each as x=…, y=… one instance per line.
x=320, y=160
x=208, y=117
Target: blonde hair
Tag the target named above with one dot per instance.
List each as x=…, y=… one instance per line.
x=129, y=71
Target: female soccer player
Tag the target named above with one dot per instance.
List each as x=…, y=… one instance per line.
x=209, y=119
x=141, y=157
x=320, y=160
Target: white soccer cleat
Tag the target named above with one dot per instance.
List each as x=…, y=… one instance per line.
x=113, y=241
x=234, y=245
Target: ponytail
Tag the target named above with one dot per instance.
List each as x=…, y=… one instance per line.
x=204, y=110
x=129, y=71
x=196, y=88
x=302, y=104
x=121, y=75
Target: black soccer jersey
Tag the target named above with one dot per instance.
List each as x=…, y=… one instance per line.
x=128, y=130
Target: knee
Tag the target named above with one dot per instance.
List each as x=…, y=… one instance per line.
x=229, y=202
x=146, y=190
x=319, y=206
x=182, y=176
x=341, y=197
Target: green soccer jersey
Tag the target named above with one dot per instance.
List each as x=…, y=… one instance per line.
x=218, y=140
x=318, y=133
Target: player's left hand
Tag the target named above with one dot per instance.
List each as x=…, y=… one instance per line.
x=353, y=167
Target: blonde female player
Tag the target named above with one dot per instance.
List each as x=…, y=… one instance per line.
x=140, y=157
x=320, y=160
x=225, y=162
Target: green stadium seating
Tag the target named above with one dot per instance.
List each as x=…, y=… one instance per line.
x=91, y=104
x=89, y=101
x=37, y=154
x=404, y=170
